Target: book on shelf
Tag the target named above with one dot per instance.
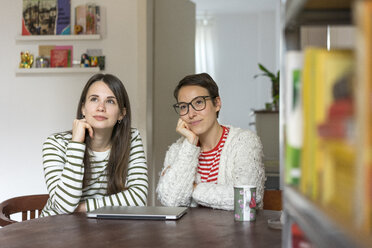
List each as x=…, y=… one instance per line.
x=88, y=17
x=46, y=51
x=307, y=163
x=63, y=25
x=80, y=17
x=60, y=58
x=293, y=116
x=363, y=92
x=323, y=179
x=39, y=17
x=70, y=53
x=91, y=19
x=46, y=17
x=337, y=138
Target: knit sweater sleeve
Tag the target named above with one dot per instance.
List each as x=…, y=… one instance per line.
x=63, y=172
x=177, y=177
x=243, y=157
x=136, y=190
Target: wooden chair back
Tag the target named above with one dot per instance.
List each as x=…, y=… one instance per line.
x=30, y=206
x=272, y=200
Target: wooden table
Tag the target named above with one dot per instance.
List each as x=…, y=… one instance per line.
x=200, y=227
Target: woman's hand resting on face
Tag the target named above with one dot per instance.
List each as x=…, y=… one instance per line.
x=78, y=130
x=184, y=130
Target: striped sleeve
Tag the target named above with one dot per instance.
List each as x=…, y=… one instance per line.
x=136, y=181
x=63, y=172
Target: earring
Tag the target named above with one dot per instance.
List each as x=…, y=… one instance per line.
x=119, y=121
x=82, y=116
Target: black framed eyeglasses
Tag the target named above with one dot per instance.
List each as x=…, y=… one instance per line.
x=198, y=104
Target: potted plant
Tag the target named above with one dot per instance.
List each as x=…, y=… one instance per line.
x=274, y=84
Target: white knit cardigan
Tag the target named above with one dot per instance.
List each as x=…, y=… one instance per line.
x=240, y=164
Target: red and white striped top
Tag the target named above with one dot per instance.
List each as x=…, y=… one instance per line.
x=209, y=161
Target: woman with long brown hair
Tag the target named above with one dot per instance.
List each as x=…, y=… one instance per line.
x=99, y=162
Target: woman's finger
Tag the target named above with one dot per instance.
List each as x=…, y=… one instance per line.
x=90, y=130
x=79, y=128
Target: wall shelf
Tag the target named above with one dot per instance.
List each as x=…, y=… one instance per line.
x=321, y=225
x=65, y=70
x=57, y=37
x=315, y=12
x=20, y=71
x=316, y=224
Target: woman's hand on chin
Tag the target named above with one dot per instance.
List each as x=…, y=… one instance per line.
x=184, y=130
x=78, y=130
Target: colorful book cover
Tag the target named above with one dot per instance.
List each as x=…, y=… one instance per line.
x=294, y=64
x=332, y=67
x=30, y=17
x=322, y=70
x=308, y=97
x=340, y=121
x=59, y=58
x=45, y=51
x=91, y=19
x=337, y=139
x=63, y=26
x=39, y=17
x=70, y=50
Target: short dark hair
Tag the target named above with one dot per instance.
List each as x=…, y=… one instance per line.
x=203, y=80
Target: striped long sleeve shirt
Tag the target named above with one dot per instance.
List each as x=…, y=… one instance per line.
x=64, y=173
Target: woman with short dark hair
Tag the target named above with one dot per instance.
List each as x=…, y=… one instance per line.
x=203, y=166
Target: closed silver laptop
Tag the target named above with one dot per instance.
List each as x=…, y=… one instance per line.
x=138, y=213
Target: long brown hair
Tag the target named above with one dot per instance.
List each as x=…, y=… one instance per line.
x=117, y=167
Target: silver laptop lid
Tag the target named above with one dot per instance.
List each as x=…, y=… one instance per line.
x=143, y=213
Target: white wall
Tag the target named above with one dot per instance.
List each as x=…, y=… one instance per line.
x=242, y=41
x=245, y=33
x=35, y=106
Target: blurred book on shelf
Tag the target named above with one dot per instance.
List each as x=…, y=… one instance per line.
x=63, y=22
x=80, y=19
x=70, y=53
x=46, y=17
x=87, y=19
x=337, y=139
x=308, y=97
x=39, y=17
x=46, y=52
x=363, y=96
x=328, y=167
x=322, y=69
x=293, y=116
x=60, y=58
